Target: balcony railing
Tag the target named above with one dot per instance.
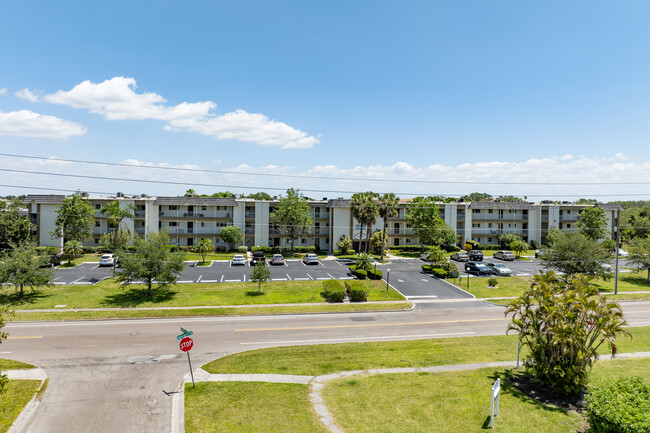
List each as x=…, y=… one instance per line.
x=496, y=216
x=250, y=214
x=139, y=213
x=195, y=214
x=249, y=231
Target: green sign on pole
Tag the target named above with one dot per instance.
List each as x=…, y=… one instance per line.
x=185, y=333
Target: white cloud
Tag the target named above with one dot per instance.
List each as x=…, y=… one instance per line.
x=116, y=99
x=25, y=123
x=27, y=95
x=3, y=91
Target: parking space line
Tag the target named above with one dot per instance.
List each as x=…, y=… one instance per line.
x=278, y=279
x=301, y=279
x=338, y=263
x=222, y=278
x=244, y=278
x=323, y=278
x=185, y=281
x=210, y=281
x=331, y=276
x=199, y=279
x=303, y=263
x=79, y=279
x=310, y=277
x=288, y=277
x=233, y=281
x=95, y=267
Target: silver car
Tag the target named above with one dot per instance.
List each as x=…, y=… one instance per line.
x=500, y=269
x=238, y=259
x=460, y=256
x=504, y=255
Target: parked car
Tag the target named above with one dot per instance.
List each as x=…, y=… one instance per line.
x=477, y=268
x=238, y=259
x=52, y=261
x=107, y=260
x=258, y=256
x=538, y=254
x=476, y=255
x=623, y=253
x=277, y=259
x=460, y=256
x=499, y=269
x=310, y=258
x=503, y=255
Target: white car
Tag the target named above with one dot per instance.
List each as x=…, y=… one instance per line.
x=107, y=260
x=500, y=269
x=622, y=253
x=310, y=258
x=238, y=259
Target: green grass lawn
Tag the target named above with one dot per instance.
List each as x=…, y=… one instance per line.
x=10, y=364
x=13, y=399
x=108, y=294
x=80, y=259
x=249, y=407
x=323, y=359
x=197, y=312
x=439, y=402
x=209, y=256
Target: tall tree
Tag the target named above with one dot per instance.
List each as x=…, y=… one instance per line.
x=75, y=219
x=107, y=240
x=25, y=267
x=563, y=322
x=477, y=196
x=640, y=254
x=15, y=227
x=116, y=214
x=292, y=215
x=363, y=206
x=150, y=262
x=232, y=235
x=593, y=223
x=423, y=216
x=190, y=193
x=572, y=253
x=387, y=209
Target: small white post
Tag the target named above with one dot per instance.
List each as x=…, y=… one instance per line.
x=496, y=392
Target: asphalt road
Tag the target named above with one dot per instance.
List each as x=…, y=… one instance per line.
x=115, y=375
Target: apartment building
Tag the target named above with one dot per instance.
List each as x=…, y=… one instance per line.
x=190, y=219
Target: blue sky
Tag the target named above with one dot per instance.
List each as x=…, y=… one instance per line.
x=500, y=91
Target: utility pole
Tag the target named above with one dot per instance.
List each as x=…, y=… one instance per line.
x=618, y=239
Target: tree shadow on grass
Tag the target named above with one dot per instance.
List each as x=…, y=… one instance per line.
x=135, y=296
x=254, y=293
x=13, y=299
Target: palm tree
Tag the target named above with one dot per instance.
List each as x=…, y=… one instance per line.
x=72, y=249
x=116, y=214
x=364, y=208
x=387, y=209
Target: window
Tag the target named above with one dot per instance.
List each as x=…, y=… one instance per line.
x=489, y=225
x=511, y=211
x=476, y=224
x=96, y=240
x=408, y=226
x=476, y=210
x=173, y=223
x=173, y=207
x=511, y=225
x=202, y=224
x=396, y=242
x=98, y=224
x=408, y=240
x=568, y=212
x=489, y=240
x=98, y=206
x=304, y=241
x=490, y=211
x=568, y=226
x=204, y=208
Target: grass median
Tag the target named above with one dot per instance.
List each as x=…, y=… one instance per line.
x=13, y=399
x=10, y=364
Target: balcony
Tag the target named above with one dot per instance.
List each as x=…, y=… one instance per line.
x=249, y=230
x=571, y=217
x=496, y=216
x=140, y=230
x=495, y=231
x=249, y=214
x=139, y=214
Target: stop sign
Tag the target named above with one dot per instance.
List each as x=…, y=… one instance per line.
x=186, y=344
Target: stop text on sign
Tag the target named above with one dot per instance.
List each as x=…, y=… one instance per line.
x=186, y=344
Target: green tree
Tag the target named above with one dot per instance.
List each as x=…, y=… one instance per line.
x=150, y=261
x=635, y=222
x=15, y=227
x=257, y=196
x=232, y=235
x=563, y=323
x=204, y=247
x=363, y=206
x=445, y=235
x=25, y=267
x=572, y=253
x=593, y=223
x=107, y=240
x=518, y=247
x=387, y=209
x=4, y=312
x=364, y=262
x=477, y=196
x=190, y=193
x=378, y=243
x=291, y=215
x=72, y=249
x=507, y=238
x=423, y=216
x=224, y=194
x=590, y=201
x=260, y=274
x=508, y=198
x=75, y=219
x=435, y=254
x=608, y=245
x=116, y=214
x=345, y=244
x=640, y=254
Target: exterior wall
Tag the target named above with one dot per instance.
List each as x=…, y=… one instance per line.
x=47, y=216
x=535, y=225
x=262, y=223
x=340, y=225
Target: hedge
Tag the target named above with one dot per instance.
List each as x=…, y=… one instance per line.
x=427, y=268
x=333, y=291
x=242, y=249
x=451, y=248
x=438, y=272
x=620, y=406
x=375, y=274
x=405, y=248
x=357, y=291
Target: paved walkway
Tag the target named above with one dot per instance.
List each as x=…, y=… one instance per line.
x=317, y=383
x=20, y=423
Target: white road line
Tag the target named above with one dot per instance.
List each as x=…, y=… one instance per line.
x=278, y=279
x=323, y=278
x=362, y=338
x=233, y=281
x=244, y=278
x=301, y=279
x=338, y=263
x=230, y=265
x=78, y=279
x=401, y=281
x=321, y=263
x=288, y=277
x=210, y=281
x=331, y=276
x=310, y=277
x=3, y=353
x=303, y=263
x=346, y=278
x=421, y=296
x=199, y=279
x=426, y=281
x=222, y=278
x=57, y=278
x=185, y=281
x=95, y=267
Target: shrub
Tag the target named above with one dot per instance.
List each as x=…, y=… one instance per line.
x=333, y=291
x=52, y=250
x=336, y=252
x=468, y=247
x=489, y=247
x=89, y=250
x=360, y=274
x=440, y=273
x=492, y=282
x=620, y=405
x=375, y=274
x=451, y=248
x=406, y=248
x=265, y=250
x=356, y=290
x=242, y=249
x=351, y=252
x=427, y=268
x=533, y=245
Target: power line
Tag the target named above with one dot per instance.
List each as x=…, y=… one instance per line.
x=304, y=176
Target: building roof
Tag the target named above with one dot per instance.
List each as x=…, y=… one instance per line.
x=44, y=198
x=517, y=205
x=338, y=202
x=196, y=201
x=609, y=206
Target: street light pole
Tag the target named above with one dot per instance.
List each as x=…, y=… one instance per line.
x=387, y=278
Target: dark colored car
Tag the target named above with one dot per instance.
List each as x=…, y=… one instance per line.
x=476, y=255
x=258, y=256
x=477, y=268
x=52, y=261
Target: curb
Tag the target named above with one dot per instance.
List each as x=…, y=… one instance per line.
x=20, y=423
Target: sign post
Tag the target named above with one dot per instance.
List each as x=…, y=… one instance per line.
x=186, y=345
x=496, y=392
x=387, y=278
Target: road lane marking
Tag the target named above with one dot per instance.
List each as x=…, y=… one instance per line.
x=199, y=280
x=363, y=338
x=323, y=278
x=95, y=267
x=301, y=279
x=310, y=277
x=185, y=281
x=210, y=281
x=278, y=279
x=401, y=281
x=288, y=277
x=371, y=325
x=79, y=279
x=24, y=338
x=331, y=276
x=426, y=281
x=222, y=278
x=233, y=281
